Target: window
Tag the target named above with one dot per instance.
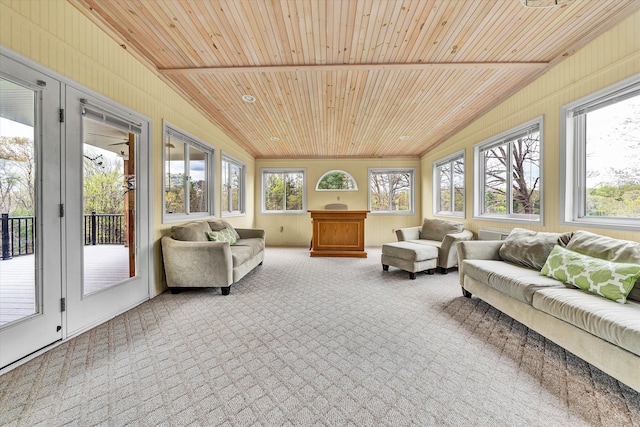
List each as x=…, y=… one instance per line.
x=283, y=190
x=508, y=175
x=233, y=178
x=448, y=185
x=601, y=151
x=188, y=189
x=391, y=190
x=336, y=180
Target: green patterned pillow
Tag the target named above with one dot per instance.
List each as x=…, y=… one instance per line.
x=224, y=235
x=612, y=280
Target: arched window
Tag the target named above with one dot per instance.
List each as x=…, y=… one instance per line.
x=336, y=180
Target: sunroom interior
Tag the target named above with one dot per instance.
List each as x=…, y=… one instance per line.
x=487, y=112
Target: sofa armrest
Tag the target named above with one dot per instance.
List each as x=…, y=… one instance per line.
x=197, y=264
x=250, y=233
x=448, y=252
x=408, y=233
x=477, y=249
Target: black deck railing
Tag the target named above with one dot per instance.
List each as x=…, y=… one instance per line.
x=103, y=229
x=18, y=232
x=18, y=235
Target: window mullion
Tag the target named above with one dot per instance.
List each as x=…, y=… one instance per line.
x=390, y=192
x=187, y=196
x=452, y=192
x=284, y=191
x=580, y=160
x=509, y=179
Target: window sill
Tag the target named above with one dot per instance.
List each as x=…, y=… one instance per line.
x=602, y=223
x=535, y=220
x=233, y=214
x=392, y=212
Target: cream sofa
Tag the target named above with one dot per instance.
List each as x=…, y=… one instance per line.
x=192, y=260
x=437, y=233
x=506, y=274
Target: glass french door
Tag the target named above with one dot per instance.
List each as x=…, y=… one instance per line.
x=107, y=215
x=30, y=202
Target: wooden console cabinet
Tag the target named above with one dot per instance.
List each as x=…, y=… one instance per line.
x=338, y=233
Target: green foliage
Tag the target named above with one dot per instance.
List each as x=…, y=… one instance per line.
x=174, y=193
x=283, y=191
x=104, y=185
x=620, y=200
x=336, y=180
x=17, y=176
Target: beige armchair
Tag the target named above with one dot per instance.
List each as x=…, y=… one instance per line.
x=438, y=233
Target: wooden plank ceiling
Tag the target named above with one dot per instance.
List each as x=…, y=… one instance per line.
x=349, y=78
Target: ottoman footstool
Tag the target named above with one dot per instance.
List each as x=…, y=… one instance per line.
x=409, y=257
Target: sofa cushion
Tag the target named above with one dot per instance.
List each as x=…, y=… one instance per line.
x=196, y=231
x=254, y=243
x=224, y=235
x=603, y=247
x=433, y=243
x=221, y=224
x=615, y=323
x=531, y=248
x=612, y=280
x=241, y=254
x=514, y=280
x=410, y=251
x=436, y=229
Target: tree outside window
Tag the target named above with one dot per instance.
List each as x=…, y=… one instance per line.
x=186, y=175
x=232, y=186
x=337, y=180
x=283, y=191
x=449, y=186
x=391, y=190
x=510, y=175
x=17, y=175
x=612, y=153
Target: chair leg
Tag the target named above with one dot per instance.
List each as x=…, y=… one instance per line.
x=466, y=293
x=385, y=267
x=226, y=290
x=412, y=276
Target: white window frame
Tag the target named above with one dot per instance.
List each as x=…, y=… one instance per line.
x=303, y=171
x=412, y=196
x=189, y=141
x=226, y=212
x=479, y=175
x=573, y=157
x=437, y=165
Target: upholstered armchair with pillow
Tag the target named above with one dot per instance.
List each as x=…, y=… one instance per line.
x=439, y=233
x=210, y=254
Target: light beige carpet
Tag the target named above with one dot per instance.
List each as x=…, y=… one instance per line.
x=314, y=341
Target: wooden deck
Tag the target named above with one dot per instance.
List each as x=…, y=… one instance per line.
x=105, y=265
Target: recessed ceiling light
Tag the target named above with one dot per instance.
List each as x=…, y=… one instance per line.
x=274, y=138
x=404, y=138
x=248, y=98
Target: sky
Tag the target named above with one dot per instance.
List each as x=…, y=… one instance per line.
x=609, y=141
x=10, y=128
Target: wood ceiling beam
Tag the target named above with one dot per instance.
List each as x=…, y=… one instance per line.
x=357, y=67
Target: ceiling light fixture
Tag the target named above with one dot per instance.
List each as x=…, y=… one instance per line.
x=544, y=3
x=248, y=98
x=404, y=138
x=274, y=138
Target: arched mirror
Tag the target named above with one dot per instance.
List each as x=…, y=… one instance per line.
x=337, y=180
